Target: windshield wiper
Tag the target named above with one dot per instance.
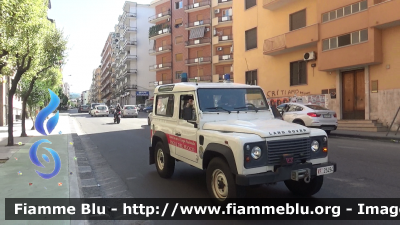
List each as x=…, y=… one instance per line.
x=219, y=108
x=245, y=107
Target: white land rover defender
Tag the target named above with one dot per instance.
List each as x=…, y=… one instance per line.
x=230, y=131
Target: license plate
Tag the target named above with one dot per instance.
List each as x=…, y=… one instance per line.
x=327, y=116
x=325, y=170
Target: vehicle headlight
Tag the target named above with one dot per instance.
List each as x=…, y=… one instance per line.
x=256, y=152
x=315, y=146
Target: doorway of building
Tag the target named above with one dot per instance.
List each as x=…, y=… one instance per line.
x=353, y=95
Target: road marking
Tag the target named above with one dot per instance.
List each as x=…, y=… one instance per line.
x=349, y=209
x=349, y=147
x=114, y=209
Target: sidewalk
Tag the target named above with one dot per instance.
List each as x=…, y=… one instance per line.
x=367, y=135
x=30, y=184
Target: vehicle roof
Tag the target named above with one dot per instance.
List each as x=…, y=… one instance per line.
x=192, y=86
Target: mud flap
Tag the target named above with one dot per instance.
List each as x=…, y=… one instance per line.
x=151, y=156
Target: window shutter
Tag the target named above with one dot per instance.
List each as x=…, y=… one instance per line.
x=298, y=20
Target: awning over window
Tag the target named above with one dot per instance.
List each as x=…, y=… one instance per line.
x=197, y=32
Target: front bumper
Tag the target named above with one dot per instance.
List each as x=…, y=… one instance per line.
x=283, y=173
x=324, y=127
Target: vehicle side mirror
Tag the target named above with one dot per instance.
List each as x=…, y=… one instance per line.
x=187, y=114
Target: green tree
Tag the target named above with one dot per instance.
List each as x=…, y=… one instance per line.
x=23, y=24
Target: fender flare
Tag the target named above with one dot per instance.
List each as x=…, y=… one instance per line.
x=164, y=139
x=222, y=150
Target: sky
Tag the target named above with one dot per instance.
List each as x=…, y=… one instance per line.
x=86, y=24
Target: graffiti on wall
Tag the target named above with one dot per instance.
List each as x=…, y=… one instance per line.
x=278, y=92
x=320, y=100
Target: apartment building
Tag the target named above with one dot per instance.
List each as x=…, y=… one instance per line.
x=105, y=73
x=129, y=48
x=192, y=37
x=346, y=50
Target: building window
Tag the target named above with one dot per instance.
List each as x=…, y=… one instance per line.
x=178, y=22
x=165, y=105
x=178, y=40
x=251, y=77
x=345, y=11
x=200, y=72
x=251, y=39
x=298, y=73
x=200, y=17
x=297, y=20
x=178, y=57
x=250, y=3
x=344, y=40
x=179, y=5
x=178, y=74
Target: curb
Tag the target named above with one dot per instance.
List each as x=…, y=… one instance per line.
x=365, y=137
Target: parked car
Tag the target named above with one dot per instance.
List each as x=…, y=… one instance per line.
x=129, y=111
x=149, y=117
x=148, y=109
x=83, y=108
x=92, y=107
x=309, y=115
x=100, y=110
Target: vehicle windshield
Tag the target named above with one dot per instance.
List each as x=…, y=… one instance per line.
x=130, y=107
x=316, y=107
x=232, y=99
x=101, y=108
x=94, y=105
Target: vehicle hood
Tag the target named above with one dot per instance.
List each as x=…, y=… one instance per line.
x=263, y=128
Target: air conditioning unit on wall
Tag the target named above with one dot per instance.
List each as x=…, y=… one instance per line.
x=216, y=11
x=219, y=49
x=309, y=56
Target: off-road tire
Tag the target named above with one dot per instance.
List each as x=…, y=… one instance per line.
x=215, y=167
x=168, y=167
x=303, y=189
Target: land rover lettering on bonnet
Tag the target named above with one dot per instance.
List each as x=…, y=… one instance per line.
x=229, y=131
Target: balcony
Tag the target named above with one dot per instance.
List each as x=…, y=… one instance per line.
x=205, y=79
x=223, y=59
x=295, y=40
x=160, y=17
x=130, y=87
x=159, y=67
x=160, y=30
x=160, y=50
x=222, y=21
x=129, y=30
x=200, y=23
x=128, y=15
x=384, y=14
x=198, y=61
x=197, y=6
x=161, y=82
x=128, y=72
x=129, y=57
x=198, y=43
x=105, y=85
x=222, y=40
x=113, y=64
x=276, y=4
x=219, y=4
x=220, y=78
x=129, y=43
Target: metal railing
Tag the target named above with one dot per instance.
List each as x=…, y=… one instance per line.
x=129, y=87
x=197, y=5
x=225, y=38
x=379, y=1
x=394, y=119
x=160, y=66
x=225, y=57
x=224, y=19
x=128, y=14
x=160, y=15
x=198, y=60
x=198, y=41
x=198, y=23
x=160, y=49
x=275, y=43
x=130, y=43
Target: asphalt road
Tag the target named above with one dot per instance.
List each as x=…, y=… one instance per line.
x=366, y=169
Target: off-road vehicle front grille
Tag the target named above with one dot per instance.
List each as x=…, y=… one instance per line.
x=300, y=148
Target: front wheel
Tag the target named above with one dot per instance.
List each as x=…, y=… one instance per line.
x=299, y=122
x=221, y=182
x=305, y=189
x=165, y=163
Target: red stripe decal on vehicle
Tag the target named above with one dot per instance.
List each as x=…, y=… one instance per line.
x=183, y=143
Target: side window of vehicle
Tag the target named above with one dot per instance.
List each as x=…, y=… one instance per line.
x=299, y=108
x=165, y=105
x=187, y=101
x=292, y=108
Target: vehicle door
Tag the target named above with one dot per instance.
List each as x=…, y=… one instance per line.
x=186, y=130
x=290, y=113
